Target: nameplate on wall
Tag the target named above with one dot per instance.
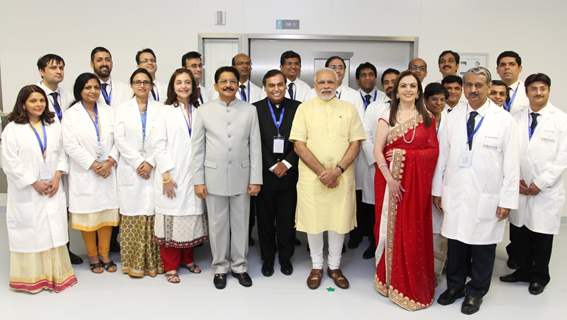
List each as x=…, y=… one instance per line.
x=287, y=24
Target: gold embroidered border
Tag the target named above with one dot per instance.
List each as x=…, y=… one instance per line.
x=397, y=165
x=380, y=287
x=405, y=302
x=399, y=130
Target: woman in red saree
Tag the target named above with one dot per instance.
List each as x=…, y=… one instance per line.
x=406, y=152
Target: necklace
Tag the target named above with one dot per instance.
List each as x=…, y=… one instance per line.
x=413, y=134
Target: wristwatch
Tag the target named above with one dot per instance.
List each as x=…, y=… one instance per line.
x=340, y=168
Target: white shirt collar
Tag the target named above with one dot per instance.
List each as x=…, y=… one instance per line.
x=481, y=111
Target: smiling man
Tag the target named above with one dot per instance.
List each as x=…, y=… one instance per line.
x=290, y=66
x=276, y=202
x=509, y=67
x=52, y=70
x=326, y=133
x=112, y=92
x=227, y=166
x=449, y=63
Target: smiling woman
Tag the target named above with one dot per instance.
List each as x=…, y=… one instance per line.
x=34, y=161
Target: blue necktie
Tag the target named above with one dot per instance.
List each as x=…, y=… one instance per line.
x=56, y=105
x=105, y=93
x=243, y=93
x=533, y=125
x=470, y=127
x=290, y=90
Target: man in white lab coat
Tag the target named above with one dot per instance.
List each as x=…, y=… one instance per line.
x=51, y=68
x=476, y=186
x=543, y=159
x=449, y=63
x=112, y=92
x=290, y=66
x=193, y=61
x=146, y=58
x=509, y=67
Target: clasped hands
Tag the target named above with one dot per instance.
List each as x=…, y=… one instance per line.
x=103, y=168
x=48, y=187
x=144, y=170
x=532, y=190
x=330, y=177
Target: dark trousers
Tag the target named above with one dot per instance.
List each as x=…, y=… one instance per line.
x=510, y=248
x=253, y=213
x=364, y=221
x=479, y=259
x=533, y=252
x=276, y=220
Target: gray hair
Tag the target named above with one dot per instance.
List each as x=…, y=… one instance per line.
x=323, y=70
x=482, y=71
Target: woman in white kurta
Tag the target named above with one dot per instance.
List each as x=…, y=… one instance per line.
x=88, y=138
x=36, y=214
x=135, y=125
x=179, y=223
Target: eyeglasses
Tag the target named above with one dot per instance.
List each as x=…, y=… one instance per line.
x=144, y=83
x=418, y=68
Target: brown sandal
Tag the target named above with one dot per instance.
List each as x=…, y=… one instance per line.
x=314, y=278
x=193, y=268
x=340, y=280
x=96, y=267
x=172, y=277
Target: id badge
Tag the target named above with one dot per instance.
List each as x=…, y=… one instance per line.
x=466, y=159
x=100, y=152
x=44, y=172
x=278, y=144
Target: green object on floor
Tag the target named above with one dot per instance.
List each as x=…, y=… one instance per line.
x=330, y=289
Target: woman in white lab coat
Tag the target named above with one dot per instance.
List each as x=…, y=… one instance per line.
x=135, y=125
x=88, y=139
x=36, y=213
x=179, y=221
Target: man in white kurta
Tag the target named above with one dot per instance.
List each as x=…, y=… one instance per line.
x=326, y=133
x=475, y=184
x=543, y=159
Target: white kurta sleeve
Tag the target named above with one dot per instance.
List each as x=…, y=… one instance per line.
x=509, y=193
x=255, y=150
x=72, y=146
x=198, y=149
x=12, y=162
x=444, y=148
x=556, y=167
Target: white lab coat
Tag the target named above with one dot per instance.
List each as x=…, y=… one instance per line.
x=89, y=192
x=35, y=223
x=253, y=94
x=437, y=215
x=370, y=123
x=471, y=195
x=543, y=160
x=160, y=90
x=301, y=90
x=120, y=93
x=136, y=196
x=173, y=153
x=521, y=100
x=65, y=98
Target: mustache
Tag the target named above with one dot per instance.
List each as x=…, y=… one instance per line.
x=473, y=94
x=227, y=89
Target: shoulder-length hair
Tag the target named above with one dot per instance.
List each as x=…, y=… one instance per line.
x=419, y=103
x=172, y=96
x=20, y=115
x=80, y=83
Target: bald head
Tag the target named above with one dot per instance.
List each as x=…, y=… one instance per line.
x=243, y=64
x=418, y=67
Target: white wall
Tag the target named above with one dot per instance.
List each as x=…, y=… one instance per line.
x=29, y=29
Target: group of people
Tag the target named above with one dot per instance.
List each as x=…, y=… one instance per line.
x=428, y=175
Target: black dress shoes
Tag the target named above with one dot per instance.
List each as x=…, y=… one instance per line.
x=220, y=280
x=471, y=304
x=243, y=278
x=450, y=296
x=513, y=277
x=536, y=288
x=75, y=259
x=512, y=264
x=353, y=243
x=286, y=268
x=369, y=253
x=268, y=268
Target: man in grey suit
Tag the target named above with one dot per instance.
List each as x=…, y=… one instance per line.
x=227, y=166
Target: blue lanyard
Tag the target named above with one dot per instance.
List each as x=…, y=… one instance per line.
x=144, y=117
x=277, y=123
x=471, y=136
x=188, y=119
x=508, y=105
x=95, y=121
x=42, y=145
x=248, y=96
x=364, y=100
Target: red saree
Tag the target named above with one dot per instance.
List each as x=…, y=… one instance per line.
x=404, y=254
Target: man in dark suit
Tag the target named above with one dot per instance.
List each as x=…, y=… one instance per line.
x=276, y=202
